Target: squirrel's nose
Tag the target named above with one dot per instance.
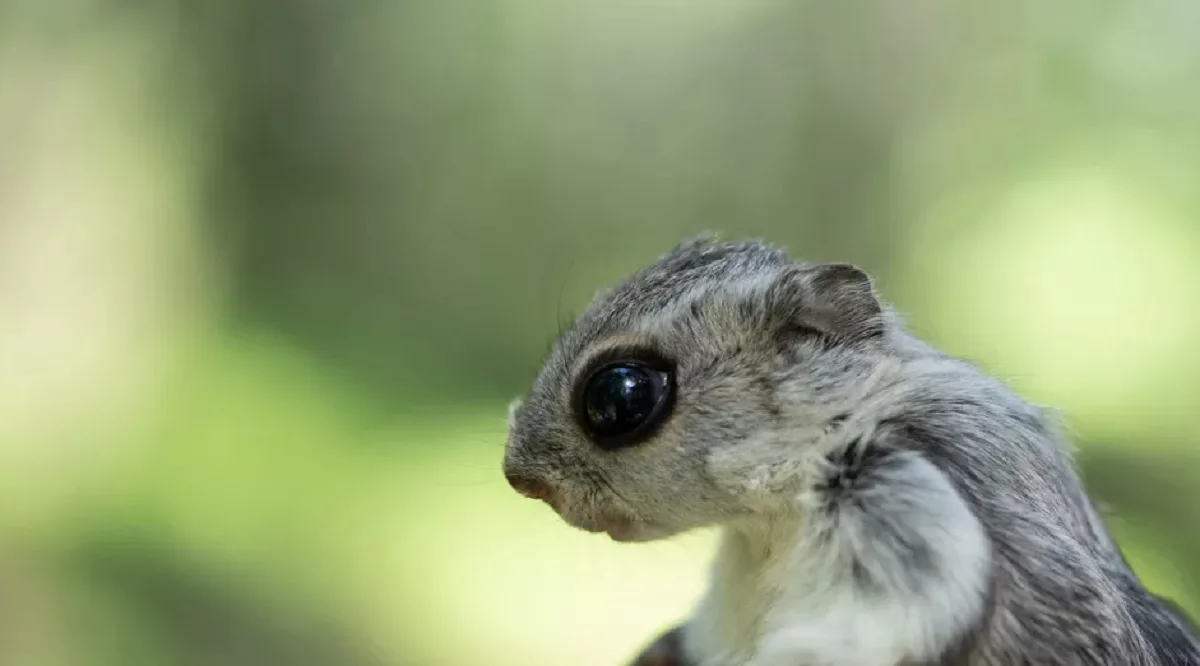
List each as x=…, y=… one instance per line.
x=529, y=486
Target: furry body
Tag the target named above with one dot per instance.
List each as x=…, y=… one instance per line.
x=883, y=504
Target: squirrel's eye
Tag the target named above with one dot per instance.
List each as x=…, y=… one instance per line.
x=622, y=402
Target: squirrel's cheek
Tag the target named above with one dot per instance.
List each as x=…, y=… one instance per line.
x=756, y=480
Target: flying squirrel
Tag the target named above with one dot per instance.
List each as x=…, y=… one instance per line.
x=880, y=503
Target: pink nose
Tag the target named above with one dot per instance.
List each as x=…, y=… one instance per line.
x=529, y=486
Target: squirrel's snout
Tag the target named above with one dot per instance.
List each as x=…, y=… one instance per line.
x=529, y=486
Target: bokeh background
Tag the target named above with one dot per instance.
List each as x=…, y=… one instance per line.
x=271, y=271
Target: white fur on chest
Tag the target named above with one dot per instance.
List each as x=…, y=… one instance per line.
x=792, y=592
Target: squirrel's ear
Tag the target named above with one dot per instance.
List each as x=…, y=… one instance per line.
x=836, y=301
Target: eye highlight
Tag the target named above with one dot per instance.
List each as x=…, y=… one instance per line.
x=622, y=402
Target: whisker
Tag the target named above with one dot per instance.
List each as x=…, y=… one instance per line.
x=603, y=480
x=564, y=322
x=467, y=484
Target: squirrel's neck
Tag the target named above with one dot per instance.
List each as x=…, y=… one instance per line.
x=755, y=560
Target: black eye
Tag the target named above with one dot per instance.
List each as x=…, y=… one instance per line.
x=622, y=402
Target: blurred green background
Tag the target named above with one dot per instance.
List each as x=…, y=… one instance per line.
x=270, y=272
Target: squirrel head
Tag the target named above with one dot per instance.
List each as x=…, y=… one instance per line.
x=686, y=395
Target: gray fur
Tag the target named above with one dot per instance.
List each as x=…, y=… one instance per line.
x=882, y=503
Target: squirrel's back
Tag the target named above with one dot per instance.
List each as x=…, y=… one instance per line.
x=1061, y=591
